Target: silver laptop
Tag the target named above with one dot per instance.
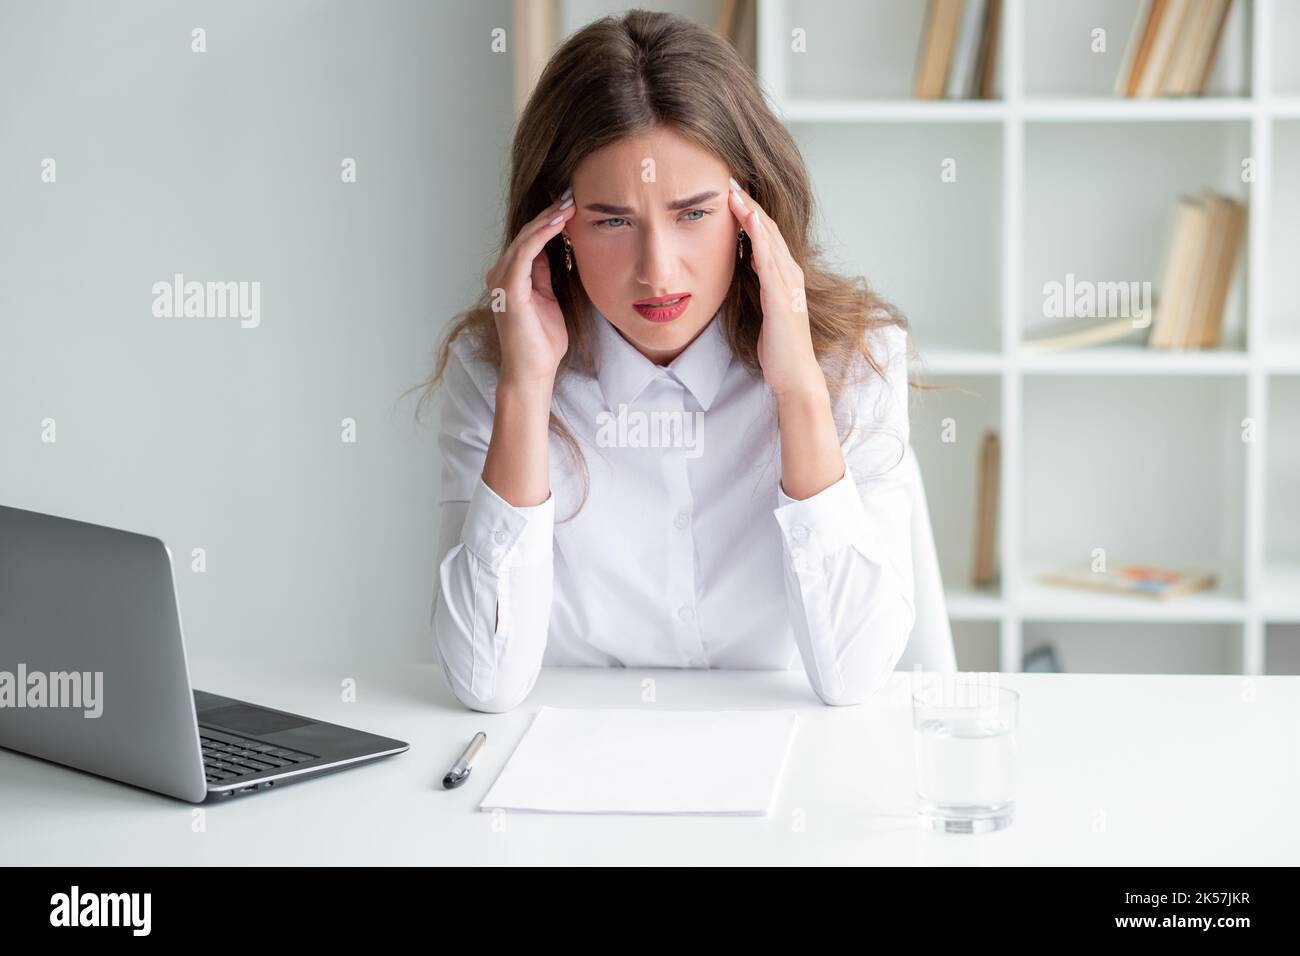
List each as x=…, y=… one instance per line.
x=93, y=674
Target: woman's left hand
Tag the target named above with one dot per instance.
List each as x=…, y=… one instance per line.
x=785, y=347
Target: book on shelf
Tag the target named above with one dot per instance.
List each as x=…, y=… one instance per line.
x=984, y=570
x=986, y=64
x=1187, y=310
x=1138, y=580
x=1084, y=333
x=1172, y=48
x=961, y=69
x=958, y=52
x=1202, y=259
x=738, y=23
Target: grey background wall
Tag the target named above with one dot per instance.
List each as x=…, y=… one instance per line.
x=226, y=166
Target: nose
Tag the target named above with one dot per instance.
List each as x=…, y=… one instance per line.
x=655, y=265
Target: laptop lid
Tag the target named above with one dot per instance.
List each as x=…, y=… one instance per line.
x=92, y=663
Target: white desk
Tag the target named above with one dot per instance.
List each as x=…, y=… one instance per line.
x=1144, y=769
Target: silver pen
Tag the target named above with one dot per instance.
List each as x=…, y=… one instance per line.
x=459, y=772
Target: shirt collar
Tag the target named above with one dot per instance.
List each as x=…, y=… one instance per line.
x=623, y=372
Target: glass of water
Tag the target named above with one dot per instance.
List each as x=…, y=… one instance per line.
x=964, y=729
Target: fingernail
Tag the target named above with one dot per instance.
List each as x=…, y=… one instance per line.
x=734, y=185
x=567, y=203
x=567, y=193
x=556, y=220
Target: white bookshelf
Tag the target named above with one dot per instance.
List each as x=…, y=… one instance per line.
x=1130, y=449
x=1125, y=448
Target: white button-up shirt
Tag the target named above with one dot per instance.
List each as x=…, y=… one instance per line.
x=687, y=552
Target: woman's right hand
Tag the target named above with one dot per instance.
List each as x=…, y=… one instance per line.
x=531, y=328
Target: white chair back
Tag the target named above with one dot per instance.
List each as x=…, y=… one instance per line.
x=930, y=645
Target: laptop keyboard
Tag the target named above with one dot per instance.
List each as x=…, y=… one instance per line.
x=235, y=757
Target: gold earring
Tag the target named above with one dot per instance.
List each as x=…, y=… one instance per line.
x=568, y=258
x=740, y=243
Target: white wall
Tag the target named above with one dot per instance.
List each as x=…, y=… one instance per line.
x=226, y=166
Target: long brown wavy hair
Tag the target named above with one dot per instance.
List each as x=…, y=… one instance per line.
x=624, y=75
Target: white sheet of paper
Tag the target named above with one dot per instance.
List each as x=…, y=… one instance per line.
x=646, y=761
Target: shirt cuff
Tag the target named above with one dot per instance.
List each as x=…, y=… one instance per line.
x=824, y=524
x=497, y=531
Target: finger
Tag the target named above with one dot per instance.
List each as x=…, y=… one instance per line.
x=739, y=202
x=542, y=277
x=540, y=221
x=751, y=222
x=751, y=219
x=530, y=245
x=563, y=201
x=748, y=202
x=780, y=252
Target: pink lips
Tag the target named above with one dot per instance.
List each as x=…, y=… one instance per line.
x=655, y=311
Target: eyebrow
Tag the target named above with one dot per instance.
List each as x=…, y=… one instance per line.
x=674, y=205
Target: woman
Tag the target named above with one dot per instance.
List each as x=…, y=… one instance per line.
x=659, y=357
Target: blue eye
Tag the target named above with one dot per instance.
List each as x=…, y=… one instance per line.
x=699, y=213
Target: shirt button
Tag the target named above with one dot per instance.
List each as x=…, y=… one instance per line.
x=800, y=532
x=682, y=520
x=686, y=613
x=500, y=537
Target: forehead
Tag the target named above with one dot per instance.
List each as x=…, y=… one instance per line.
x=658, y=160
